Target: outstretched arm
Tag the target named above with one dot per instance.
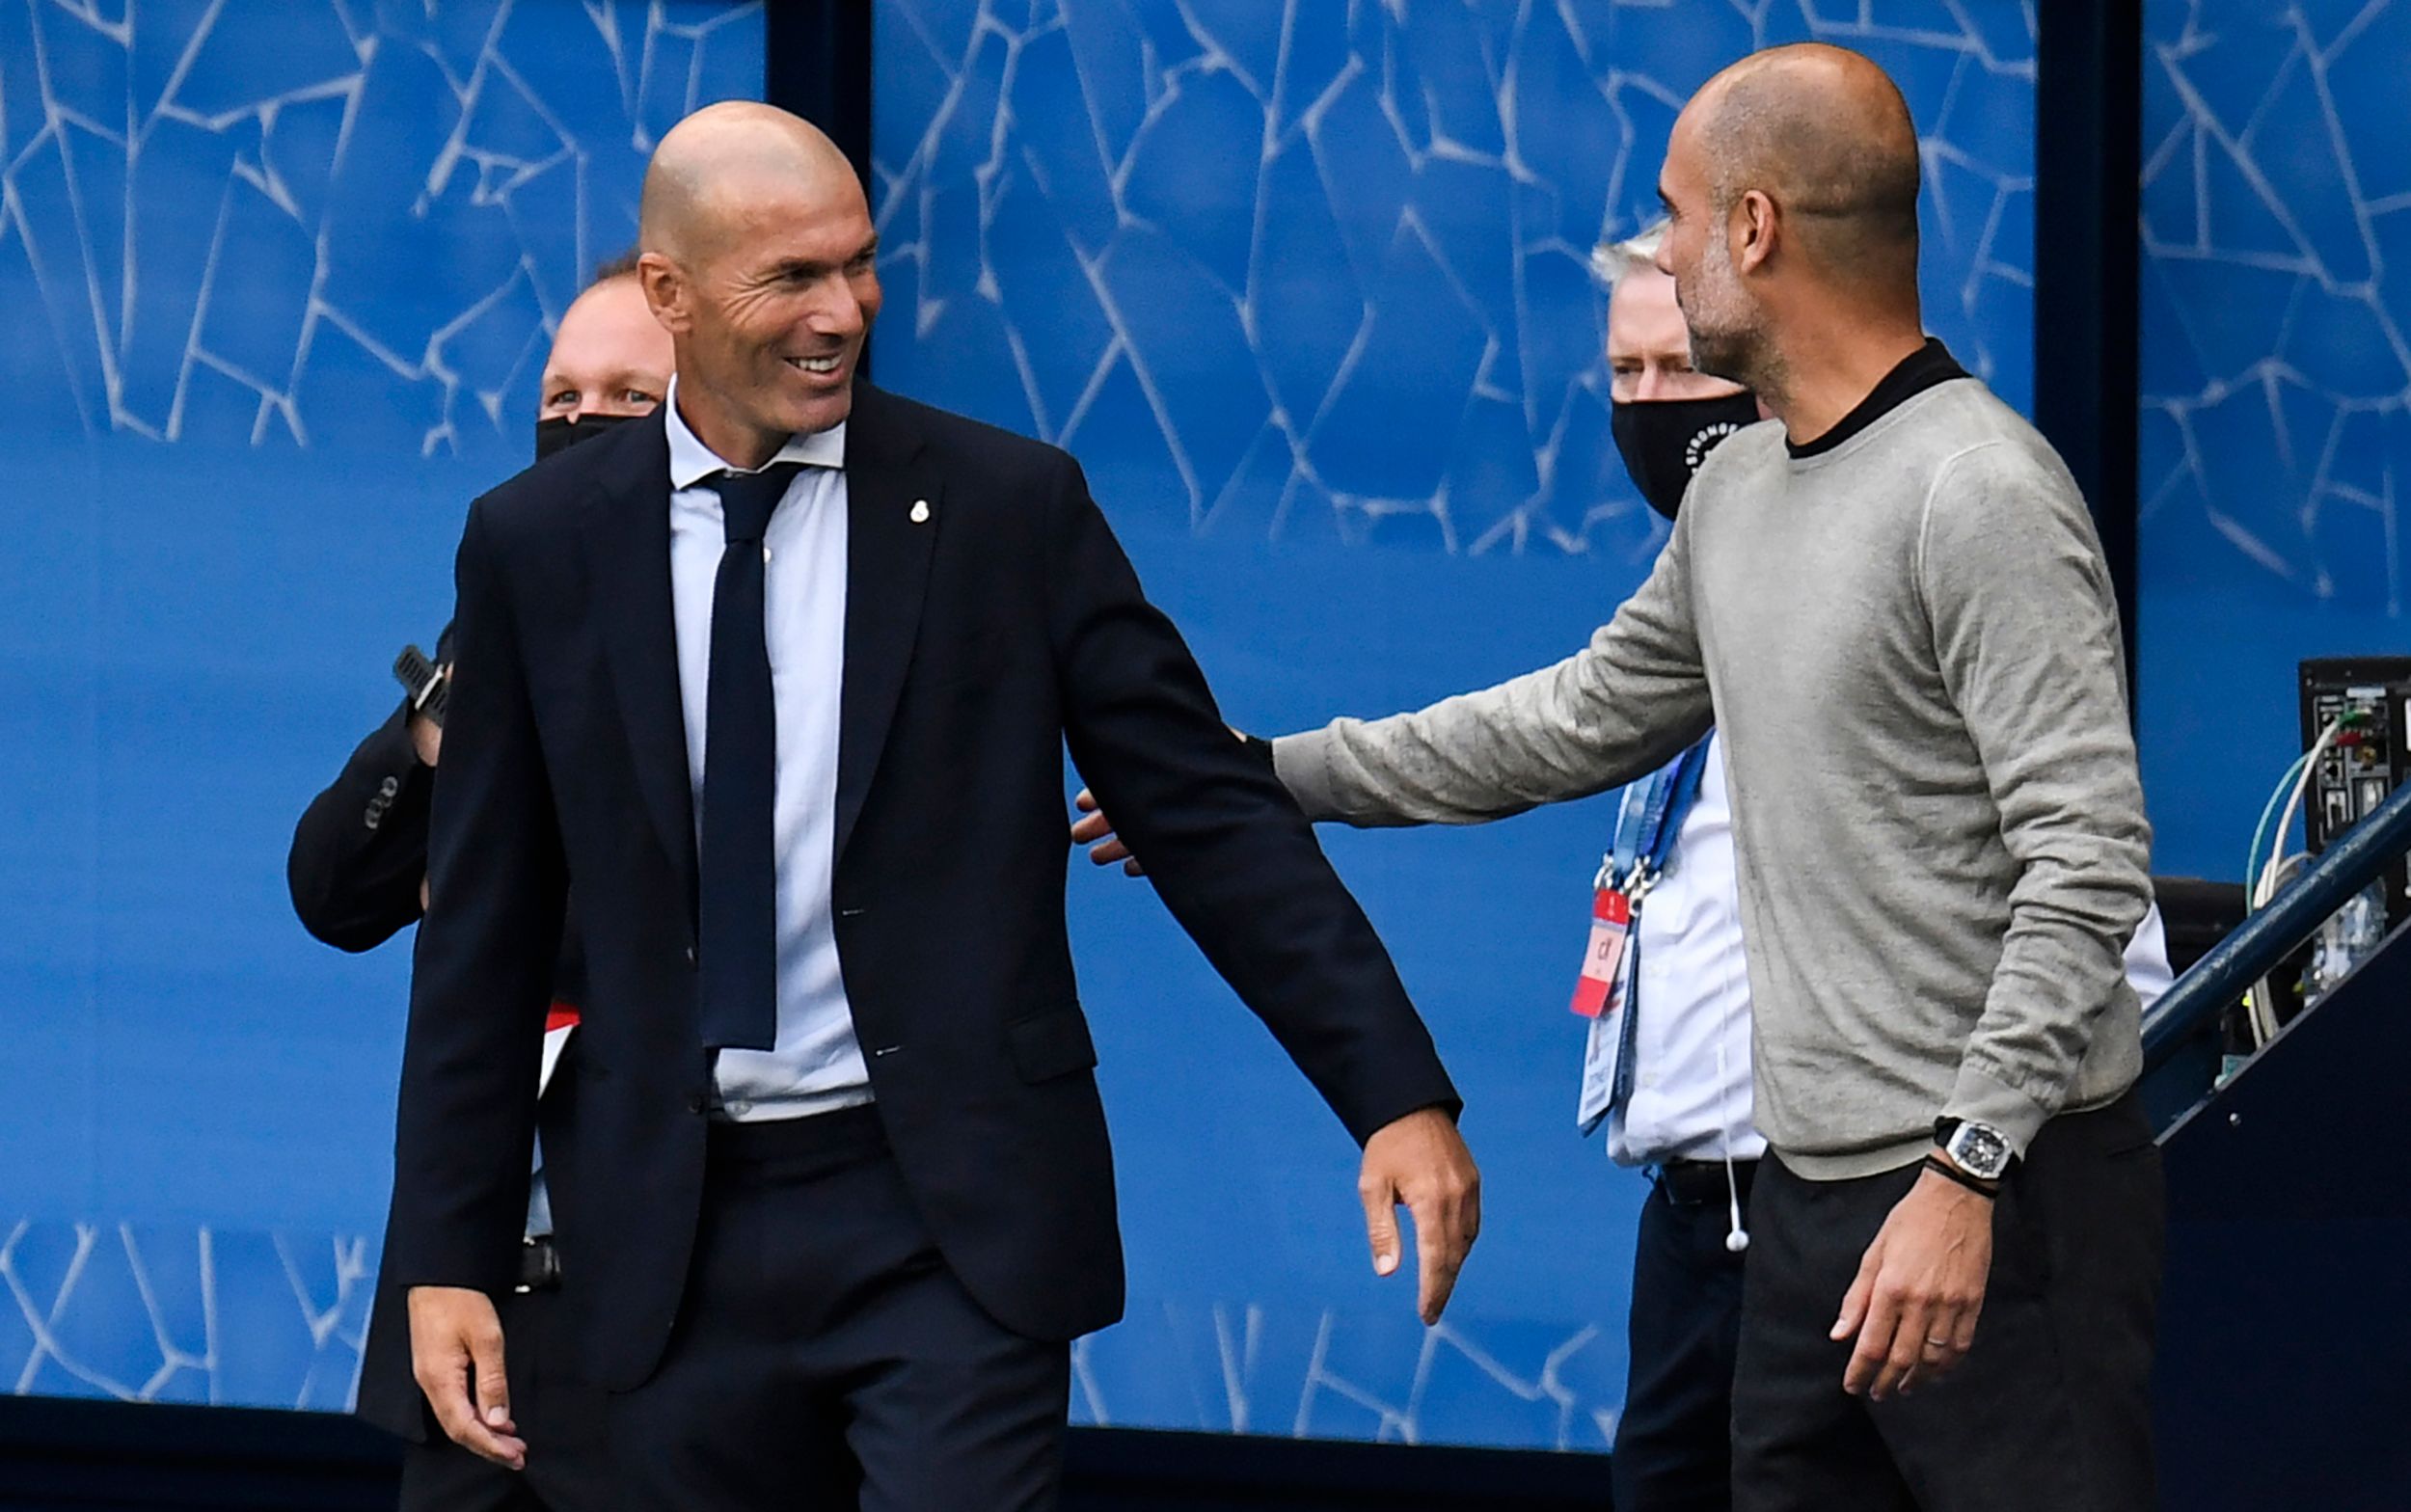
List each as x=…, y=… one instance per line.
x=1618, y=709
x=1237, y=865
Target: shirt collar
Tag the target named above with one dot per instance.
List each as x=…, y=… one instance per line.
x=1913, y=375
x=690, y=461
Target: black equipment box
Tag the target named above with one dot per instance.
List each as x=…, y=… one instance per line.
x=2370, y=757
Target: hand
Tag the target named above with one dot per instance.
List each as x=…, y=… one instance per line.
x=1108, y=848
x=1421, y=1161
x=1919, y=1290
x=1096, y=832
x=456, y=1353
x=427, y=737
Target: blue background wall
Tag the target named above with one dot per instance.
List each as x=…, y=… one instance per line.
x=279, y=276
x=2276, y=442
x=1304, y=286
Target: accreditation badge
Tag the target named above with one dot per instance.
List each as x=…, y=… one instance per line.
x=1596, y=991
x=1599, y=996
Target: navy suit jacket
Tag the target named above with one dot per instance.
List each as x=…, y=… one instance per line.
x=982, y=633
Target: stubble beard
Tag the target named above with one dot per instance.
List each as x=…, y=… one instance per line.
x=1727, y=338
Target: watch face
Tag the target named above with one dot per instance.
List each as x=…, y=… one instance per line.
x=1982, y=1152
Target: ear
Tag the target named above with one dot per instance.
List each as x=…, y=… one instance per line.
x=666, y=292
x=1756, y=226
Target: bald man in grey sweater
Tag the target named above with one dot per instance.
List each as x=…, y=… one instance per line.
x=1892, y=604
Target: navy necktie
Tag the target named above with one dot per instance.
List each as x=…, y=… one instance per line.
x=738, y=884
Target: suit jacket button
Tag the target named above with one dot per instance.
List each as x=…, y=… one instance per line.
x=689, y=955
x=695, y=1104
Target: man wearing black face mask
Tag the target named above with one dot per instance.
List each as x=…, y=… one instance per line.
x=1667, y=1067
x=611, y=360
x=1681, y=1106
x=358, y=871
x=1671, y=1081
x=1666, y=415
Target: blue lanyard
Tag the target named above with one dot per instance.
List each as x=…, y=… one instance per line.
x=1651, y=818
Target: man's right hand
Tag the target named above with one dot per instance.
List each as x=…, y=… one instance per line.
x=456, y=1353
x=1096, y=832
x=427, y=737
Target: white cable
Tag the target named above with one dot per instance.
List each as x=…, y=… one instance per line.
x=2266, y=886
x=2264, y=1015
x=1736, y=1236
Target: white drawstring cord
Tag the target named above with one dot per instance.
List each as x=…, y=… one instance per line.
x=1736, y=1237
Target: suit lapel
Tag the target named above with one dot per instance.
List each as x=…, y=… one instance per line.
x=627, y=544
x=892, y=520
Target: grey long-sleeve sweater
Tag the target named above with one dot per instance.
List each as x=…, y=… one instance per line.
x=1912, y=649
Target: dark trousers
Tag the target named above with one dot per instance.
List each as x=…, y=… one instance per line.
x=825, y=1356
x=559, y=1415
x=2049, y=1412
x=1674, y=1443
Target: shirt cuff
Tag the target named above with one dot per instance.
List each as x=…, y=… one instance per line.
x=1303, y=764
x=1980, y=1097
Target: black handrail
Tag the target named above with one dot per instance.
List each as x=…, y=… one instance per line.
x=2257, y=944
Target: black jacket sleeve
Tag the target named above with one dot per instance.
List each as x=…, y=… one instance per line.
x=1228, y=848
x=361, y=848
x=498, y=894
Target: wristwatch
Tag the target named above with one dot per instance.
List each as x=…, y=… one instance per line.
x=1978, y=1149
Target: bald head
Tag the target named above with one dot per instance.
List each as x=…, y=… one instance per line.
x=1825, y=134
x=761, y=261
x=711, y=165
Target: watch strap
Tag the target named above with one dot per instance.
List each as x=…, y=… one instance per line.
x=1944, y=1168
x=428, y=685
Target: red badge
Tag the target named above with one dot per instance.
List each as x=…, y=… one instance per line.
x=1611, y=922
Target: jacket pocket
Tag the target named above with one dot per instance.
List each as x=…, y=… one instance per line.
x=1050, y=1045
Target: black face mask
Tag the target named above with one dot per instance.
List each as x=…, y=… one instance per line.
x=1663, y=440
x=559, y=432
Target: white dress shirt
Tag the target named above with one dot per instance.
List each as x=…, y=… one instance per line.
x=816, y=1065
x=1691, y=1089
x=1691, y=1035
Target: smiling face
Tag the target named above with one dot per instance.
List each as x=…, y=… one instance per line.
x=769, y=299
x=609, y=356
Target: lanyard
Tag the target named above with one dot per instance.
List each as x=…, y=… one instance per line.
x=1651, y=817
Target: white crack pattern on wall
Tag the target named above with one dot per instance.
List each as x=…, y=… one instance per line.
x=2276, y=410
x=183, y=1314
x=348, y=224
x=345, y=226
x=1380, y=326
x=1323, y=267
x=1313, y=268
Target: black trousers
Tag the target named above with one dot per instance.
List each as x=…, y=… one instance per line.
x=825, y=1356
x=2049, y=1412
x=1674, y=1443
x=557, y=1413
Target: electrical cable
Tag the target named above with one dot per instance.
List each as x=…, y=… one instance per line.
x=2262, y=885
x=2268, y=815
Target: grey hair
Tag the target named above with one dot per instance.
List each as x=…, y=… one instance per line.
x=1612, y=260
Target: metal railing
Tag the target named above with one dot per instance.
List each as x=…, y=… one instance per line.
x=2262, y=941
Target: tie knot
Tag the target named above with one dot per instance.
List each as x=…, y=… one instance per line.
x=747, y=498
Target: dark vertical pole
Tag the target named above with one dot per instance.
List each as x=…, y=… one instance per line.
x=817, y=62
x=2088, y=177
x=819, y=66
